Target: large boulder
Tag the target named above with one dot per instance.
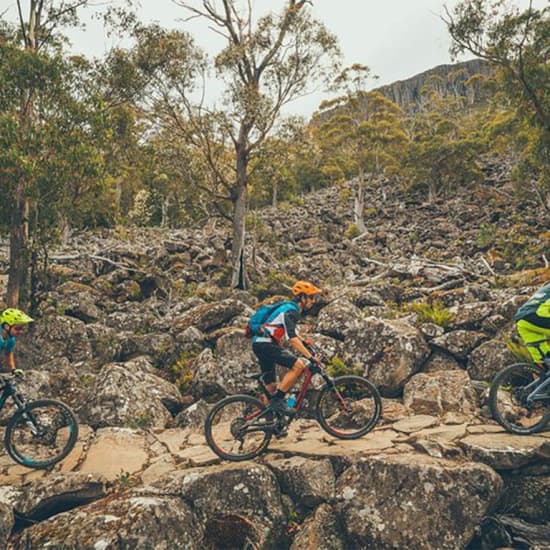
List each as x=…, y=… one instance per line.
x=440, y=392
x=307, y=482
x=527, y=497
x=488, y=359
x=120, y=521
x=160, y=347
x=223, y=371
x=414, y=501
x=393, y=350
x=459, y=342
x=6, y=523
x=320, y=531
x=54, y=337
x=470, y=316
x=210, y=316
x=130, y=394
x=80, y=301
x=440, y=361
x=336, y=319
x=235, y=503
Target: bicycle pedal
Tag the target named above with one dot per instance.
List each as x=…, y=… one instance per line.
x=280, y=434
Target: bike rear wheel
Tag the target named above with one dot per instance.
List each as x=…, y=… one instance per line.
x=508, y=404
x=349, y=408
x=238, y=428
x=41, y=434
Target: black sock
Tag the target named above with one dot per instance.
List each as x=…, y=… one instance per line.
x=279, y=394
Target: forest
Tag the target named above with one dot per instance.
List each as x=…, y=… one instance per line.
x=128, y=139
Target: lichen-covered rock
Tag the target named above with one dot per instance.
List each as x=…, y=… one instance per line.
x=124, y=394
x=45, y=497
x=307, y=482
x=118, y=522
x=106, y=343
x=459, y=342
x=392, y=350
x=55, y=336
x=193, y=416
x=488, y=359
x=338, y=317
x=414, y=501
x=235, y=503
x=209, y=316
x=160, y=347
x=321, y=531
x=439, y=361
x=471, y=315
x=6, y=523
x=440, y=392
x=526, y=497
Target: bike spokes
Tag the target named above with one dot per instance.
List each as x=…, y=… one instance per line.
x=41, y=434
x=515, y=402
x=350, y=408
x=238, y=428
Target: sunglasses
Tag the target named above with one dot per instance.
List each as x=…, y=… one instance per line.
x=18, y=328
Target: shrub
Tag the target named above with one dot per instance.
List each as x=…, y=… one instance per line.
x=181, y=372
x=433, y=313
x=336, y=367
x=352, y=231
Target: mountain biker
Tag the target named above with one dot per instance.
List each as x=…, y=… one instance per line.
x=533, y=323
x=279, y=328
x=13, y=322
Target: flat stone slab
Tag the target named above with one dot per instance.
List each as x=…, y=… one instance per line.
x=504, y=450
x=116, y=451
x=415, y=423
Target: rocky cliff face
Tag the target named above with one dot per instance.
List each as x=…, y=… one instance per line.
x=448, y=80
x=140, y=336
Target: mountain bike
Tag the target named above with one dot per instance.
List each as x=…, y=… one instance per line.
x=40, y=433
x=519, y=397
x=240, y=427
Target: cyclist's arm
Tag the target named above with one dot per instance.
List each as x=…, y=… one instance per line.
x=298, y=345
x=9, y=358
x=291, y=318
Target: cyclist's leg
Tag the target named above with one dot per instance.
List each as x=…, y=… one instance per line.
x=267, y=365
x=532, y=334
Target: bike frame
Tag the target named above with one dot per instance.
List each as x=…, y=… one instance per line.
x=9, y=390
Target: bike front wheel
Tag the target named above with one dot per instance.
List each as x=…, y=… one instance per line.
x=41, y=434
x=349, y=408
x=238, y=428
x=509, y=404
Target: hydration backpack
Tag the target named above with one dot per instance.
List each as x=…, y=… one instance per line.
x=256, y=323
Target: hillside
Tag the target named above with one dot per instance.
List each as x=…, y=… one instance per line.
x=138, y=333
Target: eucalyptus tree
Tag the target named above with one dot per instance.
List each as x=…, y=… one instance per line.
x=267, y=61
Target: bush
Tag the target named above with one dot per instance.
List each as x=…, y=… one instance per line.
x=181, y=372
x=433, y=313
x=352, y=231
x=336, y=367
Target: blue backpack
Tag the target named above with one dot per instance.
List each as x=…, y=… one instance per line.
x=255, y=325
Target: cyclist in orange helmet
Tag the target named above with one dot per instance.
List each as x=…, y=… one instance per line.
x=280, y=327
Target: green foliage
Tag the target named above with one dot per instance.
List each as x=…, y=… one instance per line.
x=142, y=421
x=487, y=235
x=433, y=312
x=352, y=231
x=182, y=373
x=336, y=367
x=274, y=283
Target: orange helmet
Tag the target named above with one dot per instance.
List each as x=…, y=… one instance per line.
x=303, y=287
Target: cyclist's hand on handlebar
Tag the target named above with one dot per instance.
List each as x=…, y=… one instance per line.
x=18, y=373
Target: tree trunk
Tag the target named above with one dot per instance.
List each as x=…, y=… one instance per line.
x=19, y=248
x=359, y=205
x=239, y=199
x=274, y=194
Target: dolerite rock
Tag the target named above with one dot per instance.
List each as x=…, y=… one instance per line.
x=79, y=301
x=440, y=361
x=414, y=501
x=470, y=316
x=210, y=316
x=6, y=523
x=526, y=497
x=320, y=531
x=236, y=504
x=393, y=350
x=138, y=522
x=193, y=416
x=336, y=319
x=307, y=482
x=55, y=336
x=129, y=394
x=440, y=392
x=459, y=342
x=46, y=497
x=488, y=359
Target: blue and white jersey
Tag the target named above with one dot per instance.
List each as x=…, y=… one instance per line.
x=281, y=324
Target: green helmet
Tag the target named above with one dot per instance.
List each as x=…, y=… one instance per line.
x=13, y=316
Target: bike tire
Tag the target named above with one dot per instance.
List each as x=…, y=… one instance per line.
x=502, y=412
x=366, y=400
x=22, y=456
x=220, y=438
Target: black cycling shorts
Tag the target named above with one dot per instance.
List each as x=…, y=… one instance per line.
x=269, y=355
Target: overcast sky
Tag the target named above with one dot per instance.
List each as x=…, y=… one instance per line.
x=395, y=38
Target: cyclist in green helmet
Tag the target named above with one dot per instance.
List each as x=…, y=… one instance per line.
x=533, y=324
x=13, y=322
